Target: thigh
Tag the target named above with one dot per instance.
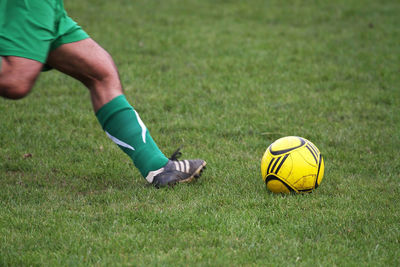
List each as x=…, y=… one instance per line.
x=19, y=67
x=84, y=60
x=89, y=63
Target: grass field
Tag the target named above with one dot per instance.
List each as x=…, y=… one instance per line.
x=224, y=79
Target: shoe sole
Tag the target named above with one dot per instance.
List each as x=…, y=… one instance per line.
x=195, y=175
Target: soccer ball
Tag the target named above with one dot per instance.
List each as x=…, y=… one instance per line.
x=292, y=164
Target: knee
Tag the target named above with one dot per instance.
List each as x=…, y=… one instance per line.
x=13, y=90
x=106, y=82
x=17, y=76
x=106, y=75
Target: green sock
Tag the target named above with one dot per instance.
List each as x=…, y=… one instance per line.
x=124, y=126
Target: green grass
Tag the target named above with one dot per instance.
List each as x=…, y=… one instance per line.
x=225, y=79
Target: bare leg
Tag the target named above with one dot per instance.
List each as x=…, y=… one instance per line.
x=17, y=76
x=92, y=65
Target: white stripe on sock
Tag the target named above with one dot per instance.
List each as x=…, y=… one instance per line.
x=142, y=126
x=119, y=142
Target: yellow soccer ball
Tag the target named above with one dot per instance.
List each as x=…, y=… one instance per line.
x=292, y=164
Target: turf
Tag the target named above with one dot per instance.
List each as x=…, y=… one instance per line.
x=224, y=79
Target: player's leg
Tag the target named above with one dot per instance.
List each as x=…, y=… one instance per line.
x=86, y=61
x=25, y=34
x=17, y=76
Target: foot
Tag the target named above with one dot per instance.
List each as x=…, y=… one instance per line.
x=176, y=171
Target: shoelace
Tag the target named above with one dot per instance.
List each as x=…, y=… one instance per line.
x=176, y=154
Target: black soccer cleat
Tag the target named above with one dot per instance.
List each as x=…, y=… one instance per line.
x=177, y=171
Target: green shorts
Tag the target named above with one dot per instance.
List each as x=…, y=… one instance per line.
x=32, y=28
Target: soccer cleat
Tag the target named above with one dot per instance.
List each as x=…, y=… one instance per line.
x=176, y=171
